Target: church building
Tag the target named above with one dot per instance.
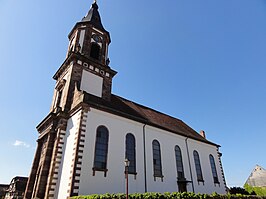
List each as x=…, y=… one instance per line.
x=89, y=133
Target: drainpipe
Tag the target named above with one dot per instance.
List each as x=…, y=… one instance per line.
x=189, y=166
x=145, y=169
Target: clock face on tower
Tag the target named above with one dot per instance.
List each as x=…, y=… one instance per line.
x=96, y=38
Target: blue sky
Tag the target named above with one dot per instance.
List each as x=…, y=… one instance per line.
x=201, y=61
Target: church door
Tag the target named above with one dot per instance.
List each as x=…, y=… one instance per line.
x=182, y=186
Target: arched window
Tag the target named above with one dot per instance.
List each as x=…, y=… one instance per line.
x=59, y=91
x=59, y=97
x=131, y=153
x=101, y=150
x=197, y=166
x=179, y=163
x=95, y=51
x=213, y=168
x=157, y=163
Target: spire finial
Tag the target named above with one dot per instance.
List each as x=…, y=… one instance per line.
x=94, y=4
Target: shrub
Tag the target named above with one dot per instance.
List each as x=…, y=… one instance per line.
x=174, y=195
x=238, y=190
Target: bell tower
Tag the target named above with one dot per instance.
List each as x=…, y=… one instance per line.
x=89, y=37
x=87, y=64
x=84, y=72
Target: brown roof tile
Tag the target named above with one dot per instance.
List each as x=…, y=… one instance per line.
x=140, y=113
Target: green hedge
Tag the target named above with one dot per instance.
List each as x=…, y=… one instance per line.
x=174, y=195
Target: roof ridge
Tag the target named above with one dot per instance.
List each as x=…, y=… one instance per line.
x=166, y=123
x=143, y=106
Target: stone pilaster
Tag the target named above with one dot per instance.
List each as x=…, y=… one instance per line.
x=221, y=167
x=44, y=165
x=52, y=181
x=31, y=180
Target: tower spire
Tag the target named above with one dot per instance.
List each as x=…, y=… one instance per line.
x=93, y=16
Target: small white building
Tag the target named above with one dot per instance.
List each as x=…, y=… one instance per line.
x=89, y=132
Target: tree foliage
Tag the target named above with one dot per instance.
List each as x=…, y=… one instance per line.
x=260, y=191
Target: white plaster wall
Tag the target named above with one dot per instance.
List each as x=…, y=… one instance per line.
x=91, y=83
x=167, y=141
x=204, y=151
x=67, y=156
x=114, y=182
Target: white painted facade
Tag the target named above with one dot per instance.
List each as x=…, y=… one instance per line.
x=91, y=83
x=114, y=182
x=65, y=169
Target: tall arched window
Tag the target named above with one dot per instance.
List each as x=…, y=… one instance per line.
x=198, y=166
x=213, y=168
x=179, y=163
x=131, y=153
x=157, y=163
x=101, y=150
x=59, y=92
x=95, y=51
x=59, y=97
